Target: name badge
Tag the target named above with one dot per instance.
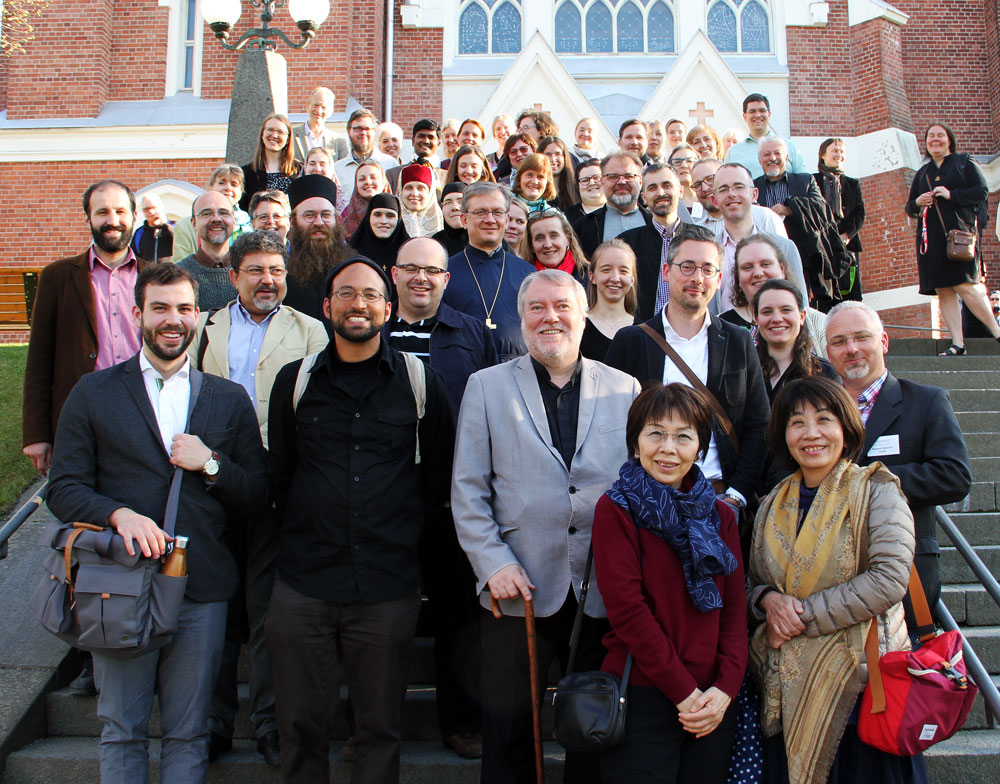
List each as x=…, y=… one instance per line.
x=885, y=445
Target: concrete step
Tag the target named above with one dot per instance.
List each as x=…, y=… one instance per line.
x=985, y=641
x=982, y=444
x=984, y=399
x=978, y=528
x=983, y=497
x=901, y=366
x=970, y=605
x=978, y=421
x=985, y=469
x=953, y=378
x=966, y=758
x=931, y=347
x=72, y=760
x=954, y=569
x=976, y=719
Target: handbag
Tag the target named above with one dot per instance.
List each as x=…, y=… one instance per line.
x=97, y=597
x=915, y=699
x=959, y=245
x=589, y=706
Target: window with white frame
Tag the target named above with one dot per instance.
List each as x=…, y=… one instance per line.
x=191, y=24
x=614, y=26
x=739, y=25
x=489, y=27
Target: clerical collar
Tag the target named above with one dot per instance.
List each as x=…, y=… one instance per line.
x=484, y=255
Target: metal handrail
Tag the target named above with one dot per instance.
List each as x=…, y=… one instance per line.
x=991, y=696
x=975, y=668
x=20, y=516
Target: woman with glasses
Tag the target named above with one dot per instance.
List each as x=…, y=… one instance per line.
x=682, y=159
x=611, y=297
x=381, y=233
x=319, y=160
x=706, y=142
x=469, y=165
x=273, y=166
x=549, y=243
x=563, y=170
x=589, y=185
x=369, y=179
x=533, y=182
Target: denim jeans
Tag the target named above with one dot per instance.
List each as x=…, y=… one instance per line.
x=183, y=674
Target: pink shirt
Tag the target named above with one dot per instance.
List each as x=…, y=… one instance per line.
x=114, y=298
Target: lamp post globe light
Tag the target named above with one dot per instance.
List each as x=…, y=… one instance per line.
x=222, y=15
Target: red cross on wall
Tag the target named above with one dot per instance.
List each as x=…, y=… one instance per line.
x=700, y=113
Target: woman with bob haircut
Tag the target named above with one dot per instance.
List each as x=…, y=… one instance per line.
x=667, y=558
x=832, y=550
x=533, y=182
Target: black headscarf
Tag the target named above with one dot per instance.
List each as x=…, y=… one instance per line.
x=381, y=250
x=454, y=240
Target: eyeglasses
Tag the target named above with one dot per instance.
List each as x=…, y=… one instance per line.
x=624, y=177
x=347, y=294
x=484, y=213
x=709, y=181
x=688, y=268
x=258, y=272
x=309, y=217
x=281, y=134
x=594, y=179
x=739, y=189
x=222, y=213
x=548, y=212
x=413, y=269
x=681, y=161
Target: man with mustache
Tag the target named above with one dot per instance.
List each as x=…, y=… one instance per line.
x=662, y=193
x=360, y=444
x=214, y=221
x=80, y=323
x=123, y=432
x=621, y=172
x=248, y=342
x=316, y=243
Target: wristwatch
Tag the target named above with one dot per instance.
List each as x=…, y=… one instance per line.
x=740, y=503
x=211, y=468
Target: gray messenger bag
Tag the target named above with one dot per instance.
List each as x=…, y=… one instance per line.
x=97, y=597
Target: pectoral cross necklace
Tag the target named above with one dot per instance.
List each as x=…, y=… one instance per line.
x=489, y=310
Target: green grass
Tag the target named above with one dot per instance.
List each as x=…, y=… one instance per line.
x=16, y=471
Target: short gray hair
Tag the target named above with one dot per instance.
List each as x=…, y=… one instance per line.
x=850, y=304
x=772, y=139
x=486, y=189
x=257, y=241
x=559, y=278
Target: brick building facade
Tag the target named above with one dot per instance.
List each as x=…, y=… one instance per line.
x=101, y=92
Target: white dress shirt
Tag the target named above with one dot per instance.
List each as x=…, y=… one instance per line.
x=169, y=401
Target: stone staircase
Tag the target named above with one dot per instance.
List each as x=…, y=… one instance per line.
x=68, y=748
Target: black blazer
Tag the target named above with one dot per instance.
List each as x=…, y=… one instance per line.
x=798, y=185
x=108, y=454
x=590, y=228
x=853, y=206
x=734, y=377
x=647, y=244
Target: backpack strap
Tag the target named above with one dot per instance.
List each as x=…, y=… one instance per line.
x=418, y=383
x=302, y=379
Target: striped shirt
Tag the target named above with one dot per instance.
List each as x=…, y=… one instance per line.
x=412, y=338
x=774, y=192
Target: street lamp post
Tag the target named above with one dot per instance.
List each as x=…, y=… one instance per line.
x=260, y=87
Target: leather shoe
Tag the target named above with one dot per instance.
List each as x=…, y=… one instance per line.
x=218, y=744
x=467, y=745
x=347, y=750
x=83, y=684
x=268, y=746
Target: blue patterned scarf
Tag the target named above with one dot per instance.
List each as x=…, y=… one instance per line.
x=687, y=521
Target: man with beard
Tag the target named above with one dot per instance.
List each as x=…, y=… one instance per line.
x=123, y=433
x=539, y=440
x=662, y=193
x=361, y=131
x=248, y=342
x=361, y=440
x=80, y=323
x=316, y=243
x=621, y=173
x=214, y=221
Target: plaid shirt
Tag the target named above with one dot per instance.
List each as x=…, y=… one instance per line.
x=662, y=289
x=866, y=400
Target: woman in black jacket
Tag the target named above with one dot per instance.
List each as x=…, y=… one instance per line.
x=843, y=194
x=945, y=195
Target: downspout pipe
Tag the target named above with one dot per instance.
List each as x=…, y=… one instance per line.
x=390, y=25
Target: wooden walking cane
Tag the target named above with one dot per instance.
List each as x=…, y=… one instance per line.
x=536, y=695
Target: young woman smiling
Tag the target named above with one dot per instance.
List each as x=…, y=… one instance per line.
x=273, y=165
x=549, y=243
x=611, y=296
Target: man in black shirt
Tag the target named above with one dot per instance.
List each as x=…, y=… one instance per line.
x=357, y=472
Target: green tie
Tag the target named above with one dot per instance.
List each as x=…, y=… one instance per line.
x=159, y=383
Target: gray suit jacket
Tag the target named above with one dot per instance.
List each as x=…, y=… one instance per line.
x=337, y=145
x=513, y=499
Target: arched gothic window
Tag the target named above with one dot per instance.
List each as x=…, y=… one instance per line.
x=739, y=25
x=489, y=26
x=623, y=26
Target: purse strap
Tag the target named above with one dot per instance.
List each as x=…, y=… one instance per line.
x=975, y=225
x=174, y=495
x=695, y=382
x=922, y=613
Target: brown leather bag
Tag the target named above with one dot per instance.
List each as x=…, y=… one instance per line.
x=961, y=245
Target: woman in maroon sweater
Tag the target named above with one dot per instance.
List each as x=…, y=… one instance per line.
x=667, y=556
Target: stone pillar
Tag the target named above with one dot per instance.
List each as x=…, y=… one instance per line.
x=259, y=89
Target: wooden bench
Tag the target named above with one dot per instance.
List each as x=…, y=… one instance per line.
x=18, y=286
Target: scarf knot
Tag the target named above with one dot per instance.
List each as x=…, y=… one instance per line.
x=686, y=520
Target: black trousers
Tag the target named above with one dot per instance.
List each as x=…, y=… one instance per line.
x=508, y=747
x=374, y=644
x=658, y=750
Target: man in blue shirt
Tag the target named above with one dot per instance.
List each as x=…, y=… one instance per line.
x=757, y=116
